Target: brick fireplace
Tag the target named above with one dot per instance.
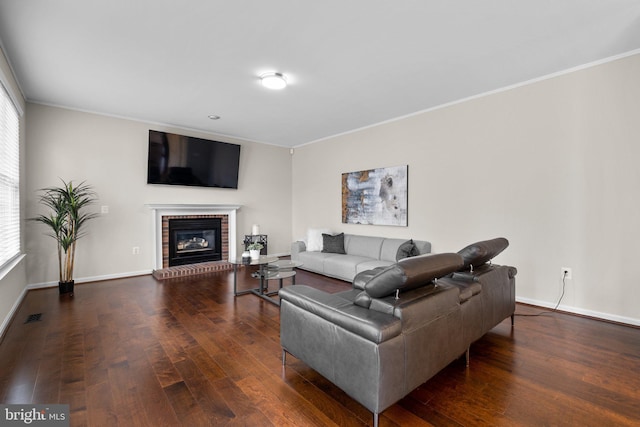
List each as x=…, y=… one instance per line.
x=161, y=217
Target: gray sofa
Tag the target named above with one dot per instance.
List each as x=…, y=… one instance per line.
x=398, y=325
x=361, y=253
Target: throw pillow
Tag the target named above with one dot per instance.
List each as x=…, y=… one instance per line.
x=406, y=250
x=479, y=253
x=333, y=244
x=314, y=238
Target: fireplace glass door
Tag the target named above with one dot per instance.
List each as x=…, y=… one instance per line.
x=193, y=241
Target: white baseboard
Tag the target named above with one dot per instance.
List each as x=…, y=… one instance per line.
x=108, y=277
x=91, y=279
x=12, y=312
x=581, y=311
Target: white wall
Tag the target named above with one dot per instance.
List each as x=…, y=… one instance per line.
x=13, y=281
x=111, y=155
x=551, y=165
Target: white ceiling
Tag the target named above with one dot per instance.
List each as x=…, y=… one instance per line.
x=350, y=63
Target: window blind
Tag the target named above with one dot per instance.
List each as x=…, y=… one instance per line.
x=9, y=179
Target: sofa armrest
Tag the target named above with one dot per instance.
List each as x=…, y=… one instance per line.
x=372, y=325
x=296, y=248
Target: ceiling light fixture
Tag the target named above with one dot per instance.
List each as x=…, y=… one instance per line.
x=213, y=117
x=273, y=81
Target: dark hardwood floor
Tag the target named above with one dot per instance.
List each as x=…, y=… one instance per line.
x=138, y=352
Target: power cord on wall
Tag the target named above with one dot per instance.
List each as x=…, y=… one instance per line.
x=555, y=309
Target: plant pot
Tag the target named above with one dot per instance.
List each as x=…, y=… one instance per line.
x=66, y=288
x=255, y=253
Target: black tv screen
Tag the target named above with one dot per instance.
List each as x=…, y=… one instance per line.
x=184, y=160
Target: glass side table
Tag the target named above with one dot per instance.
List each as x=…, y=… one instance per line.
x=282, y=269
x=269, y=268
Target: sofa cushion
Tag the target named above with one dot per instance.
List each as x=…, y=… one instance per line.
x=482, y=252
x=375, y=327
x=410, y=273
x=389, y=249
x=313, y=261
x=342, y=266
x=333, y=244
x=364, y=246
x=406, y=250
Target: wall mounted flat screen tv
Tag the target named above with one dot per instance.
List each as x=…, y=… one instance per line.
x=184, y=160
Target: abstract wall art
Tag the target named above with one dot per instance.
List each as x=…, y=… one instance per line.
x=375, y=196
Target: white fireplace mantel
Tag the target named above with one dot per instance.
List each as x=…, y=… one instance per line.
x=158, y=210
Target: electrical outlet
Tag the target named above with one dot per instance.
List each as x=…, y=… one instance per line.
x=104, y=209
x=136, y=250
x=566, y=273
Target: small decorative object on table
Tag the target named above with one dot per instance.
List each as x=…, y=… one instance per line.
x=254, y=249
x=260, y=238
x=246, y=257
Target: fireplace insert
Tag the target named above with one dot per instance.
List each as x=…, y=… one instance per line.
x=194, y=240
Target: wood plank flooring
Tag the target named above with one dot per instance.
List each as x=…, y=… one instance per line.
x=185, y=352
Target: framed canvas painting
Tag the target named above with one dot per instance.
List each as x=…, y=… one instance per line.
x=375, y=196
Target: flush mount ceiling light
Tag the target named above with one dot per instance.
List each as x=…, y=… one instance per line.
x=273, y=80
x=213, y=117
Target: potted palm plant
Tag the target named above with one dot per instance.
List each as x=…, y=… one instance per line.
x=65, y=219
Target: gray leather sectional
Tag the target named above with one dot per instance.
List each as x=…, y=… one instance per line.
x=361, y=253
x=398, y=325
